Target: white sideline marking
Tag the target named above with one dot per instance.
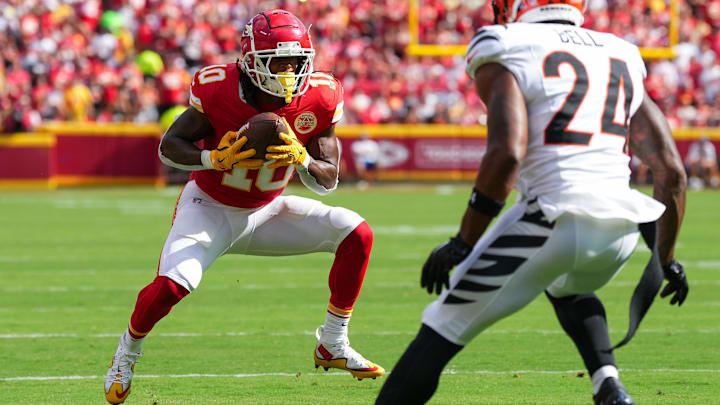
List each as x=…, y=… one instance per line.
x=318, y=374
x=116, y=335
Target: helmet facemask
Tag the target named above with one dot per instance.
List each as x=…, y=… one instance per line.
x=256, y=63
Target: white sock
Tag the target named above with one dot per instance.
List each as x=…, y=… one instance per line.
x=336, y=324
x=601, y=374
x=131, y=344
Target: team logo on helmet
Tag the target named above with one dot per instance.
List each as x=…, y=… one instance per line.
x=305, y=122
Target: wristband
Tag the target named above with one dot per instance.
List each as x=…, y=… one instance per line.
x=484, y=204
x=205, y=159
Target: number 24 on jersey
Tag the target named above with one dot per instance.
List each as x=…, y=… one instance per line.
x=557, y=131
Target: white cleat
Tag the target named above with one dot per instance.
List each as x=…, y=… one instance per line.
x=119, y=375
x=341, y=356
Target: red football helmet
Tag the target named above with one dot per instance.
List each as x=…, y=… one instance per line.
x=277, y=33
x=508, y=11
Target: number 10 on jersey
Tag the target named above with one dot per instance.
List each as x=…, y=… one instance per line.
x=243, y=179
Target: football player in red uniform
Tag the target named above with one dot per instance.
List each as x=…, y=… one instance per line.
x=232, y=203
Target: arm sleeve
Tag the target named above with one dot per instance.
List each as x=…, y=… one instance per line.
x=206, y=164
x=311, y=182
x=329, y=109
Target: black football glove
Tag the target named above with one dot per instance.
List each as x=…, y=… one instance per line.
x=442, y=259
x=677, y=283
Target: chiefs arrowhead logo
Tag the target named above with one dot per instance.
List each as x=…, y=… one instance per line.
x=305, y=122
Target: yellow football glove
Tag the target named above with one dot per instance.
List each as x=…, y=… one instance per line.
x=292, y=153
x=227, y=156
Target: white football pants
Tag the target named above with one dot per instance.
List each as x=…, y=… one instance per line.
x=205, y=229
x=521, y=256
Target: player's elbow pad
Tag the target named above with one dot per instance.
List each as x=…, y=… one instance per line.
x=168, y=162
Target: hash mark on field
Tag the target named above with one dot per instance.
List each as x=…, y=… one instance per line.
x=706, y=264
x=318, y=374
x=416, y=230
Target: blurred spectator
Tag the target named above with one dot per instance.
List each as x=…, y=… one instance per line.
x=78, y=101
x=702, y=165
x=136, y=56
x=366, y=155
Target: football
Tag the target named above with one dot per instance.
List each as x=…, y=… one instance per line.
x=263, y=130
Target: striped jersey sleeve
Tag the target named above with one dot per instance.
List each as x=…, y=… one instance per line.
x=195, y=100
x=509, y=46
x=486, y=46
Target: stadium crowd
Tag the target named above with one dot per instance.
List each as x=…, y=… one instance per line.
x=132, y=60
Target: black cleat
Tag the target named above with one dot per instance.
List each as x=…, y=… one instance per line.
x=612, y=392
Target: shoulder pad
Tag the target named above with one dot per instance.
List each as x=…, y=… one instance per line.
x=206, y=83
x=486, y=45
x=327, y=92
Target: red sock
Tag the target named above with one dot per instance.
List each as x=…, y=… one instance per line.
x=153, y=303
x=348, y=269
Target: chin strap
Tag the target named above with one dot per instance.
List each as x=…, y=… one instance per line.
x=287, y=81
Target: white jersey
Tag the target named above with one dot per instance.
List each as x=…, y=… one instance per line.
x=581, y=88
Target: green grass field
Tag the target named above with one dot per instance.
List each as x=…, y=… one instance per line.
x=73, y=261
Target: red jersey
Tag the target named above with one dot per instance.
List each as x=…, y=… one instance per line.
x=216, y=92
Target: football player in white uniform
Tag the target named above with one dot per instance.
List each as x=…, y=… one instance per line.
x=564, y=103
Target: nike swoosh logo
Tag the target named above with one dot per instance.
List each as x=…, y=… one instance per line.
x=122, y=394
x=118, y=394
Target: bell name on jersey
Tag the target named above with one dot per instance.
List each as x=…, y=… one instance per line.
x=216, y=92
x=581, y=88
